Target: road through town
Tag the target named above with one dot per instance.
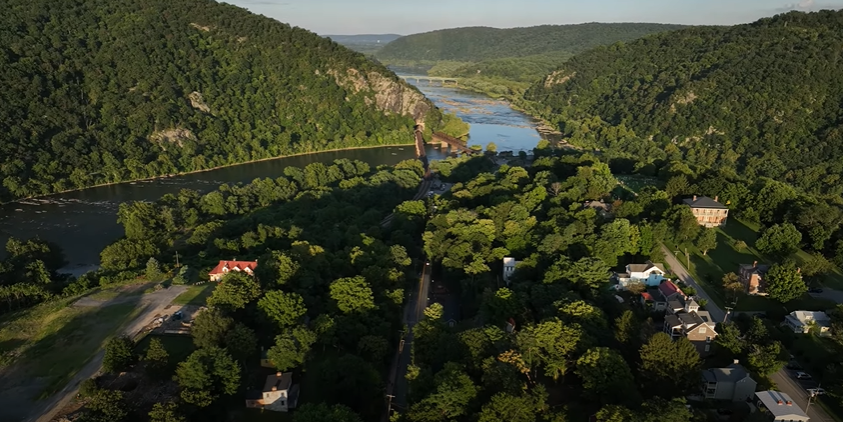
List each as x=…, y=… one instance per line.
x=682, y=274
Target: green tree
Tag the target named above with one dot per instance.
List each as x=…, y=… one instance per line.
x=153, y=270
x=206, y=375
x=674, y=364
x=687, y=226
x=767, y=359
x=106, y=406
x=168, y=412
x=321, y=412
x=434, y=311
x=779, y=240
x=589, y=273
x=605, y=375
x=284, y=308
x=550, y=344
x=707, y=240
x=157, y=358
x=118, y=354
x=511, y=408
x=242, y=343
x=627, y=329
x=291, y=348
x=454, y=391
x=491, y=147
x=732, y=285
x=352, y=294
x=661, y=410
x=729, y=339
x=209, y=328
x=235, y=291
x=784, y=283
x=740, y=245
x=500, y=305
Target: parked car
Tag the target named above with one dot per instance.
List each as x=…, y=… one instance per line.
x=803, y=376
x=177, y=316
x=815, y=391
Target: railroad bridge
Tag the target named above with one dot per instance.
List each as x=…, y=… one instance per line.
x=431, y=80
x=443, y=140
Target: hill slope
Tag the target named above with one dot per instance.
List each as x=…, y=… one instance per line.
x=101, y=91
x=763, y=98
x=482, y=43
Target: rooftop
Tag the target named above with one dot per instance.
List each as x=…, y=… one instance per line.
x=281, y=381
x=509, y=262
x=668, y=288
x=234, y=265
x=777, y=403
x=640, y=268
x=732, y=373
x=704, y=202
x=760, y=269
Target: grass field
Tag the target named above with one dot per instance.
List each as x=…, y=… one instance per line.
x=635, y=182
x=195, y=295
x=708, y=270
x=53, y=341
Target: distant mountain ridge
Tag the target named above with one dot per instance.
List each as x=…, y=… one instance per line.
x=470, y=44
x=363, y=38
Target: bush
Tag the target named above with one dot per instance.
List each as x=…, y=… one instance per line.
x=88, y=387
x=118, y=354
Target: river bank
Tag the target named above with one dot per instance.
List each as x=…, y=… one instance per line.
x=166, y=176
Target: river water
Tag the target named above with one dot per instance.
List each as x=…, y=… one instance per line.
x=84, y=222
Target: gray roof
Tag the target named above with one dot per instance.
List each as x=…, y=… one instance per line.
x=675, y=304
x=760, y=269
x=732, y=373
x=673, y=320
x=690, y=318
x=781, y=411
x=638, y=268
x=704, y=202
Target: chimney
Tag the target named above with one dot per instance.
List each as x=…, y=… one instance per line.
x=278, y=374
x=789, y=403
x=715, y=198
x=754, y=264
x=735, y=362
x=274, y=388
x=780, y=402
x=695, y=198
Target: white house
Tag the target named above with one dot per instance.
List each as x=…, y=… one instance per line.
x=781, y=406
x=279, y=394
x=650, y=274
x=509, y=265
x=801, y=321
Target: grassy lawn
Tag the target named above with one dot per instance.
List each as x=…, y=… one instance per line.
x=53, y=341
x=708, y=270
x=195, y=295
x=635, y=182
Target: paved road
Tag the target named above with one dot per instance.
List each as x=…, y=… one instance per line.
x=790, y=386
x=716, y=313
x=835, y=296
x=153, y=303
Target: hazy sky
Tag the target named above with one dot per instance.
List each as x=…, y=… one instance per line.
x=404, y=17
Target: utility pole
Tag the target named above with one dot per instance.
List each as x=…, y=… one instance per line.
x=389, y=404
x=177, y=259
x=812, y=395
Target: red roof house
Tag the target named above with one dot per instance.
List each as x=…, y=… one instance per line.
x=668, y=290
x=224, y=267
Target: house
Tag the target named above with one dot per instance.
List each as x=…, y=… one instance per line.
x=802, y=321
x=650, y=274
x=603, y=209
x=781, y=406
x=663, y=294
x=509, y=265
x=709, y=212
x=279, y=394
x=684, y=318
x=224, y=267
x=752, y=277
x=731, y=383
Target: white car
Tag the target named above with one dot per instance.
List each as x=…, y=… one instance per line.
x=816, y=391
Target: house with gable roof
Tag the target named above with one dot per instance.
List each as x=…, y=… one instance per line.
x=650, y=274
x=707, y=211
x=224, y=267
x=731, y=383
x=683, y=316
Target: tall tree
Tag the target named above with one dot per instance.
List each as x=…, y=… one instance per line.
x=284, y=308
x=784, y=282
x=352, y=294
x=707, y=240
x=235, y=291
x=157, y=358
x=606, y=376
x=209, y=328
x=675, y=364
x=118, y=354
x=291, y=348
x=168, y=412
x=206, y=375
x=779, y=240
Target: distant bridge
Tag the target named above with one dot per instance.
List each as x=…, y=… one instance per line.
x=431, y=79
x=454, y=143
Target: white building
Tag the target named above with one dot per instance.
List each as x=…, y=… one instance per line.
x=509, y=265
x=650, y=274
x=278, y=394
x=781, y=406
x=802, y=321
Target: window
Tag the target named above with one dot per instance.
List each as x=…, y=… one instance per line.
x=282, y=403
x=703, y=330
x=707, y=347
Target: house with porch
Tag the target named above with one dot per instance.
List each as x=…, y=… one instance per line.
x=801, y=322
x=650, y=274
x=684, y=318
x=224, y=267
x=752, y=277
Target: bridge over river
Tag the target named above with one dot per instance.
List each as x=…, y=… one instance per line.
x=431, y=80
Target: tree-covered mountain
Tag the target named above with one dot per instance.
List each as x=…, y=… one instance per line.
x=482, y=43
x=762, y=99
x=102, y=91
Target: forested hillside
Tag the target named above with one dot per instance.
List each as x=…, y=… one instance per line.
x=482, y=43
x=761, y=99
x=101, y=91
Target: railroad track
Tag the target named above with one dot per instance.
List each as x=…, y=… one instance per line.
x=423, y=189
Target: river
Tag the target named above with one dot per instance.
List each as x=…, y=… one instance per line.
x=84, y=222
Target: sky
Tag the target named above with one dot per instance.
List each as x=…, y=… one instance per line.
x=404, y=17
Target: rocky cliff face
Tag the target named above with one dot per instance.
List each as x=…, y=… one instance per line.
x=387, y=94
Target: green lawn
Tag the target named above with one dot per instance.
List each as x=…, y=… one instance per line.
x=195, y=295
x=54, y=340
x=635, y=182
x=708, y=270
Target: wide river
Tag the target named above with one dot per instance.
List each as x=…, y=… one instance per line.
x=84, y=222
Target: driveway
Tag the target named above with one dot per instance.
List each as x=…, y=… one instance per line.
x=835, y=296
x=153, y=303
x=682, y=274
x=792, y=387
